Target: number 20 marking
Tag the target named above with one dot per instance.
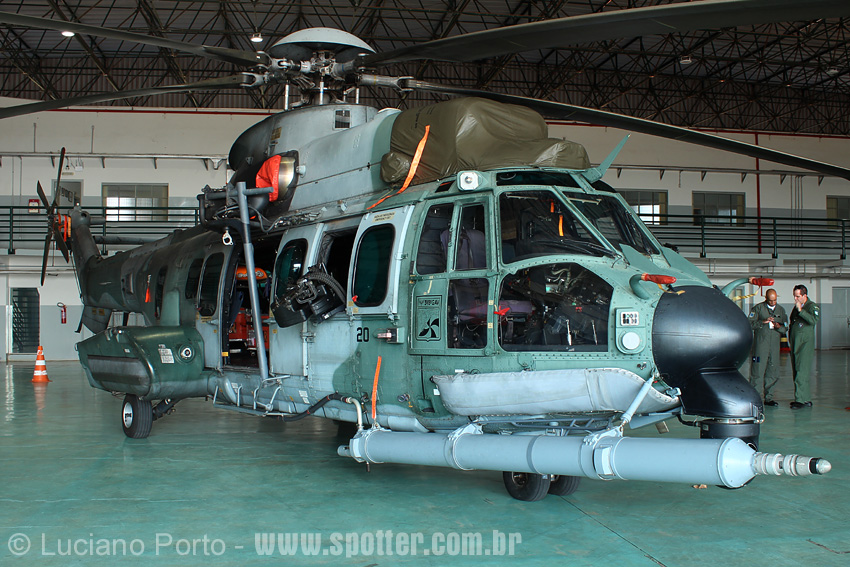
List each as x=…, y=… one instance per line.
x=362, y=334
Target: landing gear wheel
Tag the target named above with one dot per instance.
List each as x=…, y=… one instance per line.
x=136, y=417
x=529, y=487
x=562, y=485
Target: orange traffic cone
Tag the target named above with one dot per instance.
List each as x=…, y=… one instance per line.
x=40, y=374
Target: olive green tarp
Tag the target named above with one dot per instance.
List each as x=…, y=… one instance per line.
x=474, y=133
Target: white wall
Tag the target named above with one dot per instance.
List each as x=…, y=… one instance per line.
x=88, y=134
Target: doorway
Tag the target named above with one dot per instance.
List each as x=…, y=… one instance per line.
x=837, y=331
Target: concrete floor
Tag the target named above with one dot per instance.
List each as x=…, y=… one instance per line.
x=208, y=486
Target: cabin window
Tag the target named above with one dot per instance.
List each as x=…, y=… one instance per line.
x=471, y=246
x=558, y=307
x=468, y=308
x=208, y=296
x=342, y=119
x=290, y=263
x=193, y=278
x=336, y=255
x=372, y=267
x=159, y=291
x=431, y=254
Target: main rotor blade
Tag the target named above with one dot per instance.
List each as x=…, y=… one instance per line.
x=58, y=179
x=563, y=111
x=613, y=24
x=235, y=56
x=230, y=81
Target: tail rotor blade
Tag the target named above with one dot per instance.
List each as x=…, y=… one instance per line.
x=59, y=177
x=60, y=242
x=46, y=252
x=43, y=198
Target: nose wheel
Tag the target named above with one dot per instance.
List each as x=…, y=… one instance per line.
x=136, y=417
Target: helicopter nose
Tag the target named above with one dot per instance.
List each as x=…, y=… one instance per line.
x=699, y=339
x=699, y=329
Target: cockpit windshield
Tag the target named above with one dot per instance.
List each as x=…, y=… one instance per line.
x=612, y=220
x=538, y=223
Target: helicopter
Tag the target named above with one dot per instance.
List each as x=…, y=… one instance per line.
x=463, y=290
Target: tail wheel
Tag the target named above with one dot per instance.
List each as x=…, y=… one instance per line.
x=529, y=487
x=563, y=485
x=136, y=417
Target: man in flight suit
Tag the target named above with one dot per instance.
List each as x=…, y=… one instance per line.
x=768, y=321
x=801, y=336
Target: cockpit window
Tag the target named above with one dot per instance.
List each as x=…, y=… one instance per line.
x=558, y=179
x=611, y=218
x=561, y=307
x=537, y=223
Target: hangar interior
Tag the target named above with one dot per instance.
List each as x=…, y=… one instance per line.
x=770, y=81
x=209, y=481
x=108, y=149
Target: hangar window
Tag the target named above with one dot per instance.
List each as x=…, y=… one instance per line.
x=718, y=208
x=135, y=201
x=208, y=296
x=651, y=206
x=372, y=266
x=431, y=254
x=837, y=208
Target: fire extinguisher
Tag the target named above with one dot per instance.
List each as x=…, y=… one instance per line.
x=63, y=313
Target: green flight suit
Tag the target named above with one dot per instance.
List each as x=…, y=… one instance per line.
x=801, y=339
x=764, y=370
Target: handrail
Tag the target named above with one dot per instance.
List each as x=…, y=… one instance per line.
x=709, y=235
x=701, y=234
x=21, y=229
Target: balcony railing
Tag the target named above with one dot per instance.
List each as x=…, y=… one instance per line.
x=21, y=229
x=705, y=235
x=711, y=235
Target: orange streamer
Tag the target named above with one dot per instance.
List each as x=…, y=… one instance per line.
x=375, y=389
